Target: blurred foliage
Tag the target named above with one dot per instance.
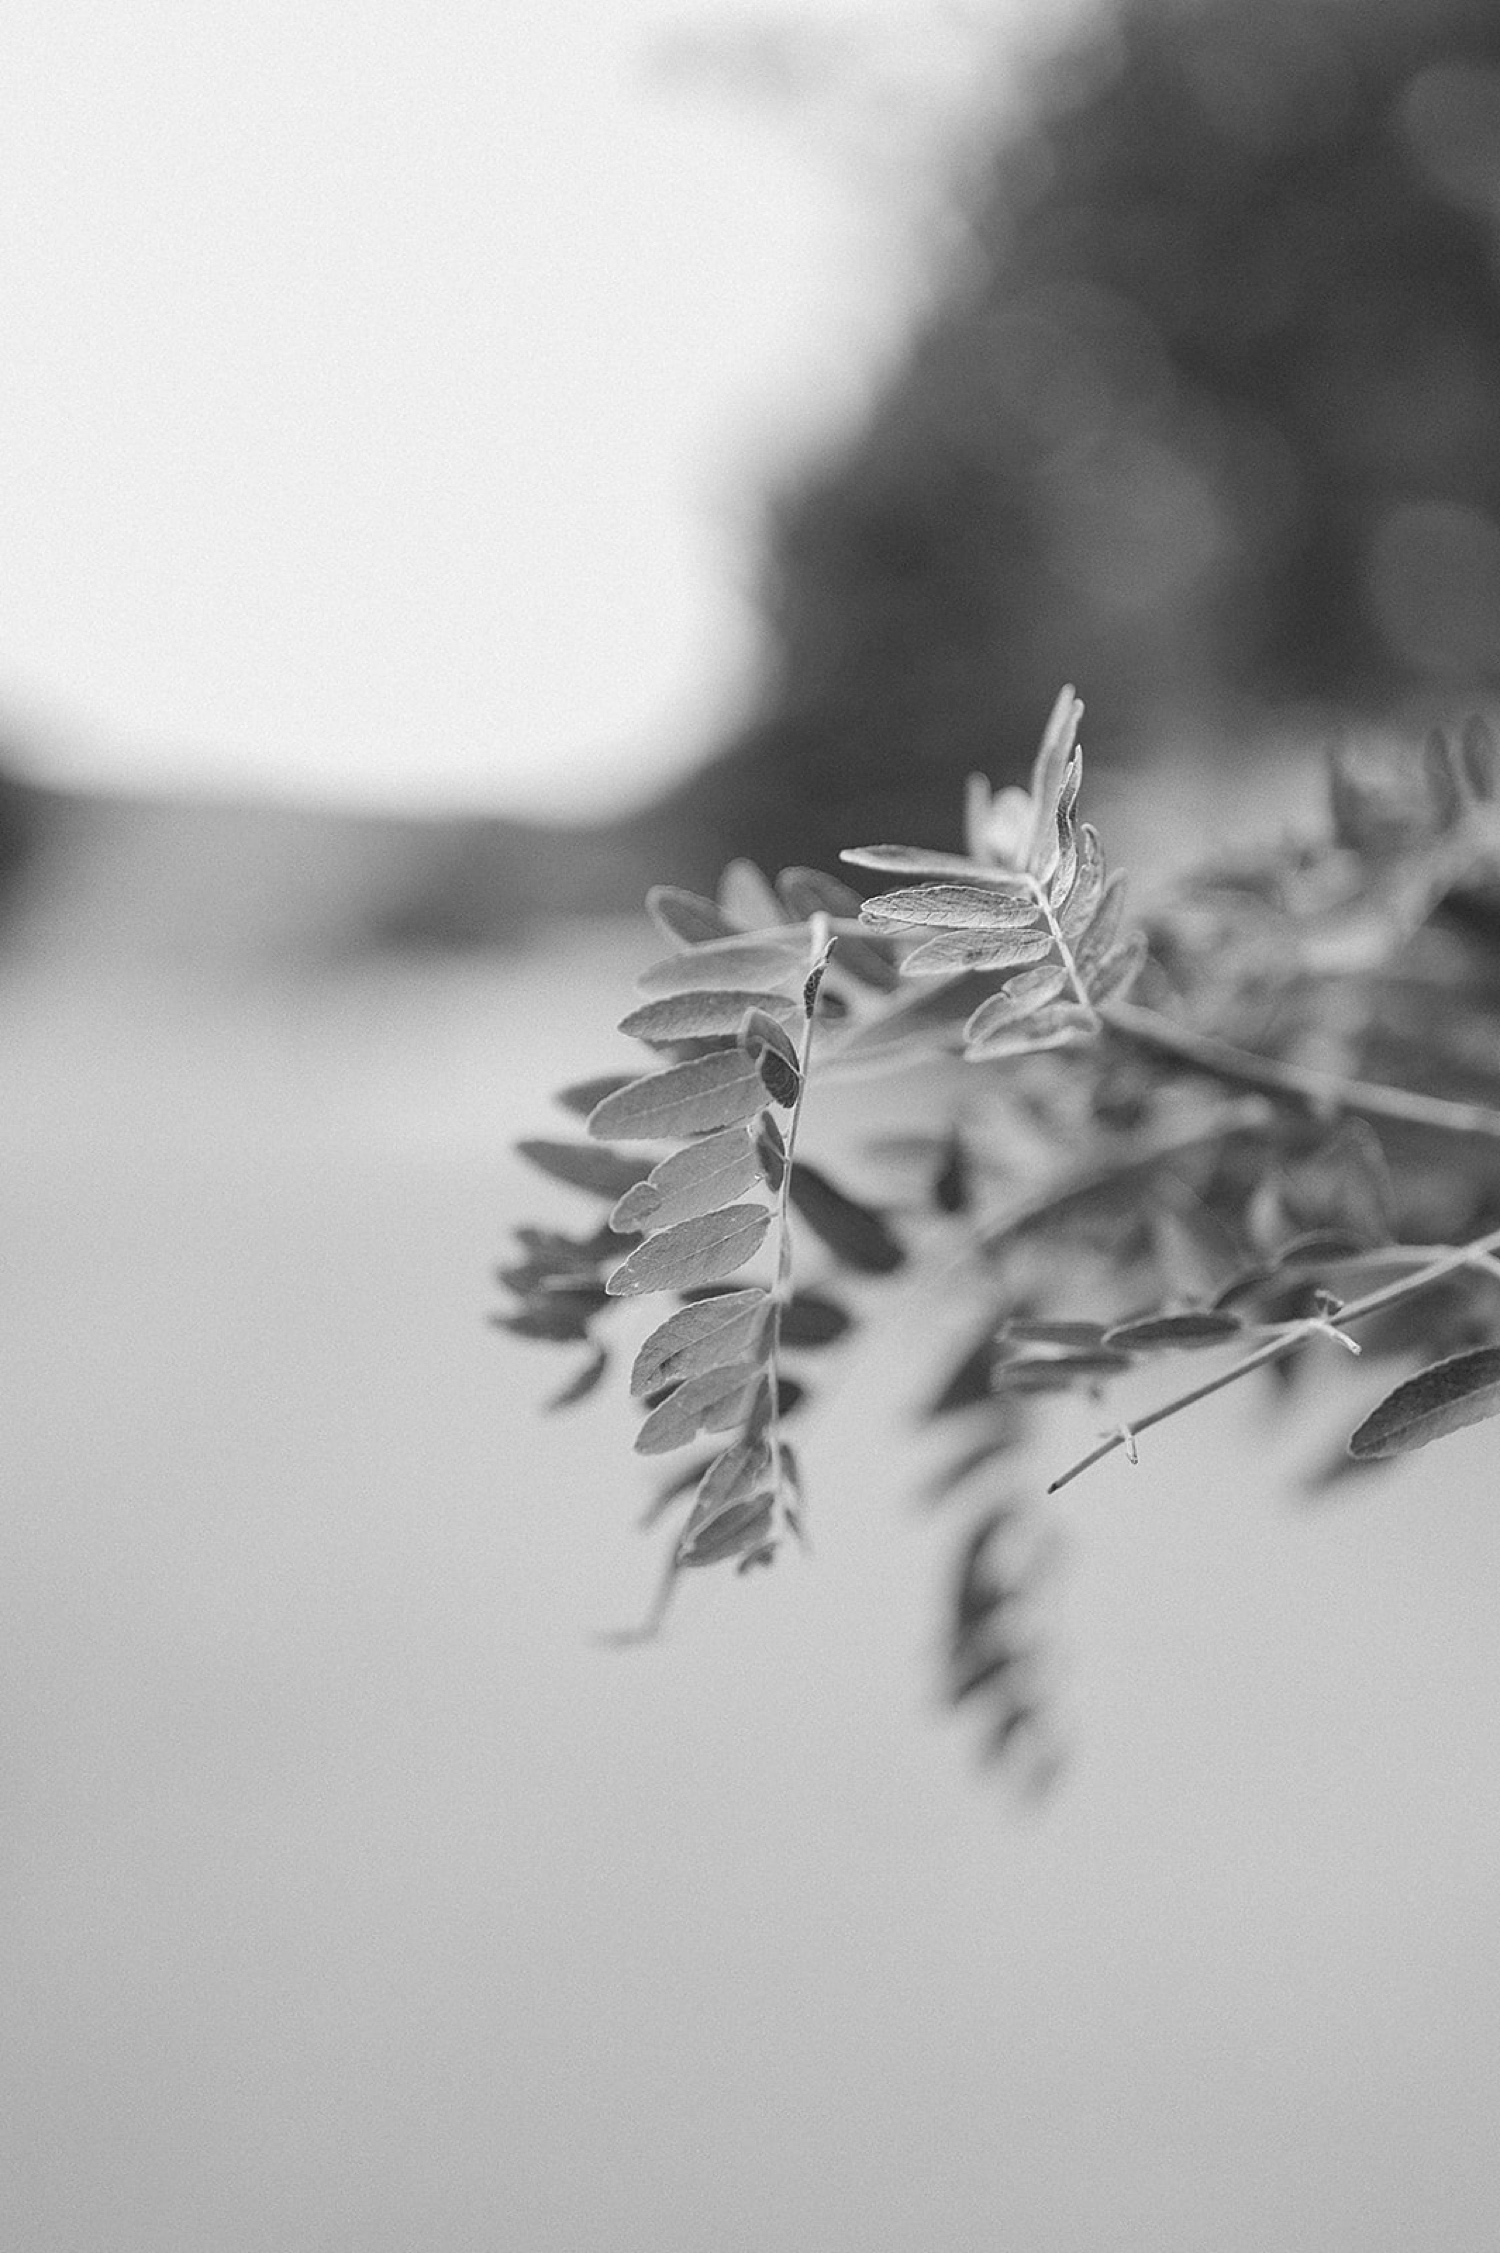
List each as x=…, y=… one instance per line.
x=1207, y=417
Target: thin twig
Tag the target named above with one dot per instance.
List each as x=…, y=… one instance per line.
x=1324, y=1091
x=1294, y=1334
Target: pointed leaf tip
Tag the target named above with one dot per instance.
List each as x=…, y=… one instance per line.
x=1463, y=1389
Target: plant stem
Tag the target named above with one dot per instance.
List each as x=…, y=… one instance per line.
x=1294, y=1334
x=781, y=1289
x=1043, y=901
x=1323, y=1091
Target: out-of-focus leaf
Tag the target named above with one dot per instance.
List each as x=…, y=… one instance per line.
x=1037, y=1331
x=1163, y=1333
x=952, y=1187
x=702, y=1014
x=866, y=961
x=1320, y=1248
x=1099, y=933
x=1111, y=976
x=1058, y=1024
x=587, y=1095
x=1441, y=774
x=585, y=1165
x=1480, y=760
x=702, y=1178
x=852, y=1232
x=728, y=1532
x=982, y=1671
x=763, y=961
x=1001, y=1439
x=950, y=907
x=747, y=899
x=1057, y=1372
x=711, y=1402
x=712, y=1091
x=806, y=892
x=579, y=1387
x=672, y=1490
x=1021, y=998
x=915, y=860
x=686, y=917
x=1464, y=1389
x=730, y=1327
x=954, y=951
x=811, y=1319
x=558, y=1317
x=695, y=1251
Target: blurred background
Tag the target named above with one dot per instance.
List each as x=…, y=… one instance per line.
x=457, y=470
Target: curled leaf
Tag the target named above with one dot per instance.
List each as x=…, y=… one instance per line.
x=770, y=1152
x=1464, y=1389
x=758, y=1033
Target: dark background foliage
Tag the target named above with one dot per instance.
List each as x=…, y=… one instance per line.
x=1206, y=419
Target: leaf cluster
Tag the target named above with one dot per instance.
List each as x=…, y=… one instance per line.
x=1259, y=1122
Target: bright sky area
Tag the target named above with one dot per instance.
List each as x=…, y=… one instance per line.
x=390, y=394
